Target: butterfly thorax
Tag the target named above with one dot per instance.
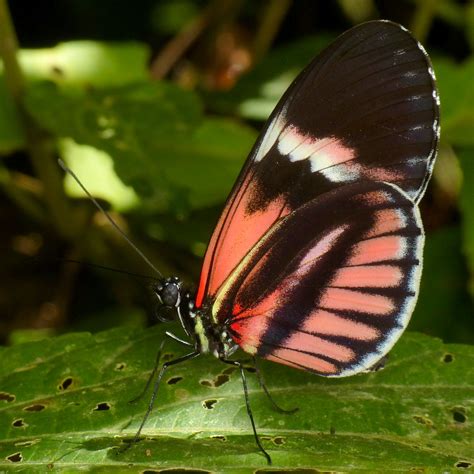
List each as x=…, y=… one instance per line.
x=211, y=337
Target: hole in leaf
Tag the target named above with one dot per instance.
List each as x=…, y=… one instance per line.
x=120, y=366
x=447, y=358
x=221, y=379
x=219, y=437
x=279, y=440
x=7, y=397
x=17, y=457
x=252, y=370
x=104, y=406
x=229, y=370
x=423, y=420
x=459, y=414
x=463, y=464
x=209, y=404
x=19, y=423
x=65, y=384
x=35, y=407
x=174, y=380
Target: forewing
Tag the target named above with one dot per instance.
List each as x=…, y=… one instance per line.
x=366, y=109
x=332, y=286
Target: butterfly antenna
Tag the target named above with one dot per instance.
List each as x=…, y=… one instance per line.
x=110, y=269
x=107, y=215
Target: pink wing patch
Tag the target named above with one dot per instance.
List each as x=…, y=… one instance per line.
x=322, y=153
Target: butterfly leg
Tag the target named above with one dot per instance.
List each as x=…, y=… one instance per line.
x=151, y=377
x=261, y=381
x=163, y=369
x=380, y=365
x=239, y=365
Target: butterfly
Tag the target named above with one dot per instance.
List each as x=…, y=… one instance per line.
x=316, y=259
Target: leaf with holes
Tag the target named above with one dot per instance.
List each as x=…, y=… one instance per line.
x=64, y=404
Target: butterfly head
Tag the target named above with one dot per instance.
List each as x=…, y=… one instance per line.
x=170, y=295
x=168, y=292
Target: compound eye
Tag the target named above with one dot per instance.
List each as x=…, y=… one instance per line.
x=170, y=295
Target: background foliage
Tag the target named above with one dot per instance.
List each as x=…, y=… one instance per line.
x=155, y=105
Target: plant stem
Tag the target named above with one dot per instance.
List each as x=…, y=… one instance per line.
x=39, y=144
x=424, y=14
x=8, y=49
x=272, y=17
x=177, y=46
x=216, y=12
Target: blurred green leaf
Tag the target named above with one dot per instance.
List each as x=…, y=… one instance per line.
x=457, y=100
x=466, y=204
x=87, y=63
x=71, y=64
x=61, y=407
x=192, y=233
x=97, y=168
x=22, y=336
x=257, y=93
x=443, y=291
x=470, y=24
x=170, y=16
x=452, y=12
x=157, y=136
x=358, y=11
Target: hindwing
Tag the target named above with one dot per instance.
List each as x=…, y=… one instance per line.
x=330, y=287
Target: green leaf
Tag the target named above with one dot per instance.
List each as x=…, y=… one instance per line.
x=72, y=64
x=63, y=404
x=87, y=63
x=157, y=136
x=444, y=287
x=97, y=168
x=457, y=100
x=257, y=93
x=467, y=209
x=171, y=16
